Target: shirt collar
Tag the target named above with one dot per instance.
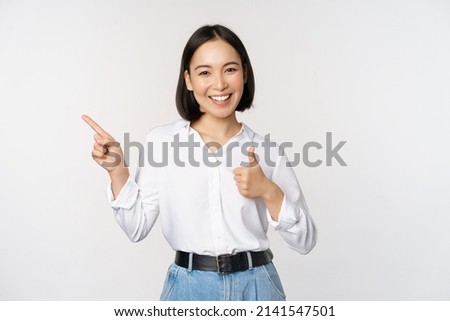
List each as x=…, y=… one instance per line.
x=182, y=127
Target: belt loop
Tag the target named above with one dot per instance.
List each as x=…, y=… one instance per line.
x=191, y=257
x=249, y=259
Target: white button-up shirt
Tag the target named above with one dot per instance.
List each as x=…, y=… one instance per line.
x=193, y=192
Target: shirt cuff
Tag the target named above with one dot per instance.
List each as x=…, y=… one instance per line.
x=127, y=195
x=288, y=216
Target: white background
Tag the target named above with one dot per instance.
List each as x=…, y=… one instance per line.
x=374, y=73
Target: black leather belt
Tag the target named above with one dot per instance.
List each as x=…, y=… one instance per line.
x=224, y=264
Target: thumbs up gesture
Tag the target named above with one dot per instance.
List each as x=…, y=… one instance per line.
x=251, y=181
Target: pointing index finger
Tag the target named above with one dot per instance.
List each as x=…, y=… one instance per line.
x=96, y=127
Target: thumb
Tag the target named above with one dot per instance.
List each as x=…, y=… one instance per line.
x=252, y=158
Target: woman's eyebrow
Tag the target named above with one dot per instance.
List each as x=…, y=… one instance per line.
x=225, y=65
x=202, y=66
x=231, y=63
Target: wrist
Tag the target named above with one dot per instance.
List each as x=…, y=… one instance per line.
x=271, y=191
x=273, y=199
x=119, y=173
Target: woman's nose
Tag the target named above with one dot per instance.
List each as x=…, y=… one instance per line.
x=220, y=82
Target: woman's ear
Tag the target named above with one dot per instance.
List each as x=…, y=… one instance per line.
x=187, y=80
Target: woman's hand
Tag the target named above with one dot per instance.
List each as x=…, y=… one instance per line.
x=108, y=154
x=252, y=183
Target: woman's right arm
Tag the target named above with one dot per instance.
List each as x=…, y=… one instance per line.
x=108, y=154
x=135, y=203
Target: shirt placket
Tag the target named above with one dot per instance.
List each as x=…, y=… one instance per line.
x=216, y=210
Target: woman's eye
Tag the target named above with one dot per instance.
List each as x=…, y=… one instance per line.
x=204, y=73
x=231, y=70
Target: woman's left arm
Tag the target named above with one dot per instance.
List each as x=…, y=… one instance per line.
x=286, y=206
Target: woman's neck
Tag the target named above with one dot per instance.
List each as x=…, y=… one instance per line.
x=219, y=130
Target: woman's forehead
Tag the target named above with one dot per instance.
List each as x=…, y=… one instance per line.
x=215, y=52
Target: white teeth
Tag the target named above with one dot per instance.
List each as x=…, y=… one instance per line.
x=220, y=98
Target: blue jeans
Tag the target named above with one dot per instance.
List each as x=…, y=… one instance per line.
x=260, y=283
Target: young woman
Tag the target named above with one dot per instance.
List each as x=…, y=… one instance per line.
x=215, y=184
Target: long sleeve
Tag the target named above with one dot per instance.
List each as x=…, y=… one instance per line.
x=295, y=225
x=136, y=208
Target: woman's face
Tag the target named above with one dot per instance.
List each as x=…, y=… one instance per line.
x=216, y=77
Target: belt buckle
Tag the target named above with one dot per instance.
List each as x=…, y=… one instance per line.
x=223, y=263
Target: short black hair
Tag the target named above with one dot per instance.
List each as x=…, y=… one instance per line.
x=187, y=106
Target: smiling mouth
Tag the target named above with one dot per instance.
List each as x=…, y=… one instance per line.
x=220, y=99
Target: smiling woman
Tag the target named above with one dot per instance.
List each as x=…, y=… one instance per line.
x=216, y=75
x=215, y=215
x=213, y=62
x=216, y=78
